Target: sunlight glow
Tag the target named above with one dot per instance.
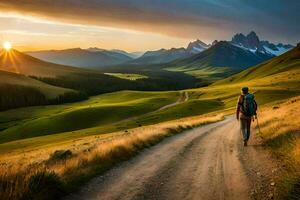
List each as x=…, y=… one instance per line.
x=7, y=45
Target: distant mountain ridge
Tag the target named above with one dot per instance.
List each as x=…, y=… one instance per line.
x=253, y=43
x=84, y=58
x=132, y=55
x=162, y=56
x=97, y=58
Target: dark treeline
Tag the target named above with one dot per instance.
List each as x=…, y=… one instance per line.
x=15, y=96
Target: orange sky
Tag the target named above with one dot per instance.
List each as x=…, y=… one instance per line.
x=139, y=25
x=33, y=33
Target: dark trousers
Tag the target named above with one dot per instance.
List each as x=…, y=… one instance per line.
x=245, y=128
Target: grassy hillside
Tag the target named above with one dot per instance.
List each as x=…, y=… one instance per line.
x=285, y=65
x=280, y=131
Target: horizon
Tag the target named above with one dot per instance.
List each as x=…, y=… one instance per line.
x=136, y=26
x=15, y=47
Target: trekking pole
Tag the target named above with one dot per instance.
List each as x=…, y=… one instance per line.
x=258, y=125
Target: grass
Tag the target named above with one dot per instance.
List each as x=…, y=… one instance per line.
x=21, y=181
x=97, y=111
x=131, y=77
x=60, y=139
x=280, y=130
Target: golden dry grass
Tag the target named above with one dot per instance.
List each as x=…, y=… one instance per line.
x=280, y=130
x=92, y=156
x=280, y=120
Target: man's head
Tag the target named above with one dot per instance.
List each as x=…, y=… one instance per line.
x=245, y=90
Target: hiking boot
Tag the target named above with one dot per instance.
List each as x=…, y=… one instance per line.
x=245, y=143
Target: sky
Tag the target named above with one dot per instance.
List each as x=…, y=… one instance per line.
x=140, y=25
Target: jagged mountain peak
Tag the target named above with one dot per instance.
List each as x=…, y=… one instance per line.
x=252, y=43
x=252, y=34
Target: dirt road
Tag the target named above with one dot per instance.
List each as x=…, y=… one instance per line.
x=206, y=163
x=184, y=96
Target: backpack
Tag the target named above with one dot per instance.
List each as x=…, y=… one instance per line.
x=248, y=105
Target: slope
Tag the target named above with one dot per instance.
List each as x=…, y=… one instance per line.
x=287, y=62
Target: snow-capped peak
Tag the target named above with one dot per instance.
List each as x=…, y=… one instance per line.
x=197, y=47
x=252, y=43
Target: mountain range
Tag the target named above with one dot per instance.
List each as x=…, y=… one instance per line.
x=97, y=58
x=282, y=69
x=219, y=61
x=168, y=55
x=252, y=43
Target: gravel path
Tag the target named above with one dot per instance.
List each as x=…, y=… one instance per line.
x=206, y=163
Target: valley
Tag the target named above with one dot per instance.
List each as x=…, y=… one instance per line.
x=101, y=116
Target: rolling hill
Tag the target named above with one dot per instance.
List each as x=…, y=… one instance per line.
x=85, y=58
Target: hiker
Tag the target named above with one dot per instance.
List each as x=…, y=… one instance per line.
x=245, y=112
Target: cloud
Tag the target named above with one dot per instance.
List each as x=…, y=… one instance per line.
x=207, y=19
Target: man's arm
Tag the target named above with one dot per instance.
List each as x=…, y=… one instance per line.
x=238, y=107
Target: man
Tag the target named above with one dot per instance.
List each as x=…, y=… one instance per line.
x=245, y=111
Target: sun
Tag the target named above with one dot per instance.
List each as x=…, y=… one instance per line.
x=7, y=45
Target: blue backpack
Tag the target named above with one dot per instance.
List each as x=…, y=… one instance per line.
x=249, y=105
